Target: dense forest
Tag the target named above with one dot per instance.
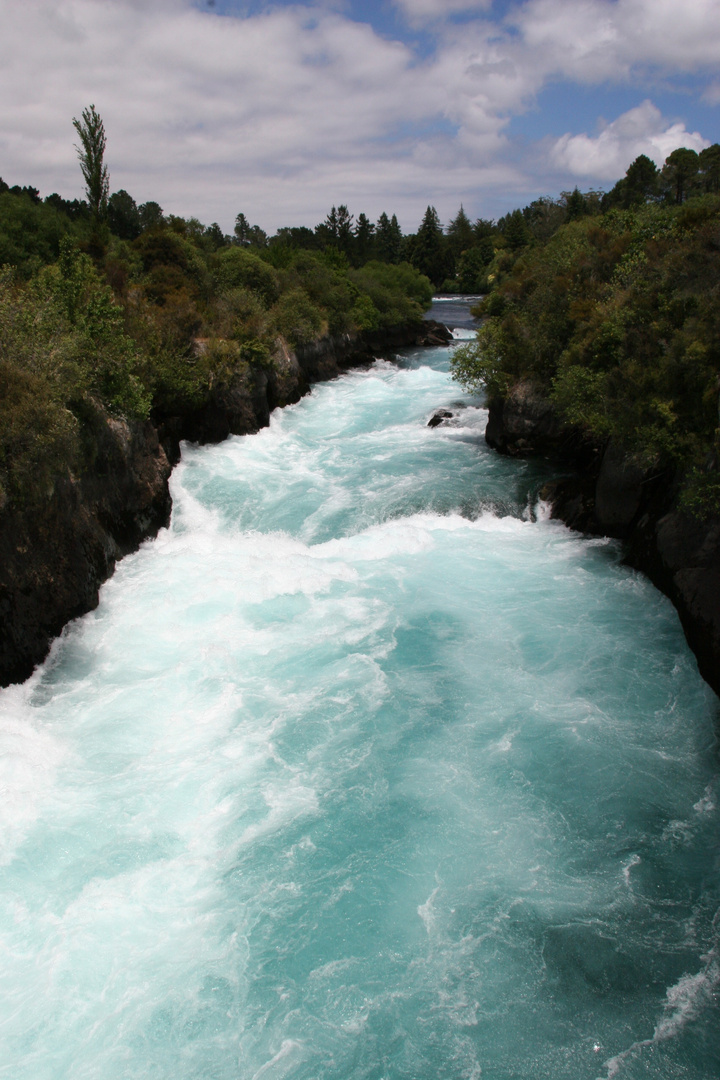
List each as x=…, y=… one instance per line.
x=611, y=306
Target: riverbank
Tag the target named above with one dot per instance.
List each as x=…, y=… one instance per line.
x=56, y=552
x=608, y=493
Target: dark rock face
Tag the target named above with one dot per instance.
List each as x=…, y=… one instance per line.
x=55, y=555
x=524, y=422
x=681, y=555
x=618, y=491
x=610, y=494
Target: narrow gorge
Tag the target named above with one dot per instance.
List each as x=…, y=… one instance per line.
x=364, y=766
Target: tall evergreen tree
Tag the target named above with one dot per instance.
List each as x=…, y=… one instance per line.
x=364, y=235
x=344, y=228
x=575, y=205
x=428, y=252
x=388, y=238
x=515, y=229
x=331, y=223
x=242, y=229
x=460, y=233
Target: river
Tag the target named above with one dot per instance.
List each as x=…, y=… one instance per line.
x=363, y=770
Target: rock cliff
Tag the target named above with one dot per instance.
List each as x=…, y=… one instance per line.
x=609, y=493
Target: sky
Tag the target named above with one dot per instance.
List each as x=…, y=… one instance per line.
x=281, y=110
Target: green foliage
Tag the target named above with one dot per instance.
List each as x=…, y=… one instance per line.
x=399, y=293
x=581, y=396
x=700, y=494
x=481, y=364
x=236, y=266
x=617, y=317
x=297, y=318
x=106, y=355
x=30, y=233
x=61, y=344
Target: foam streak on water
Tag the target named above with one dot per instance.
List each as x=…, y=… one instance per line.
x=363, y=770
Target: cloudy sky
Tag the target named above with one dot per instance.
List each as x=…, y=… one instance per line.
x=282, y=109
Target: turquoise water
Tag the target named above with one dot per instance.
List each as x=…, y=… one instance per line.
x=363, y=770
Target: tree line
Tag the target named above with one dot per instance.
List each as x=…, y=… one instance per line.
x=110, y=308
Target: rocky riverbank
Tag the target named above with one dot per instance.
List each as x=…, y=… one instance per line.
x=56, y=553
x=608, y=493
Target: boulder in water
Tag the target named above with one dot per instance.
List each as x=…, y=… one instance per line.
x=439, y=416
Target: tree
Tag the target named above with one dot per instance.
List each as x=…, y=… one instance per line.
x=460, y=233
x=575, y=205
x=515, y=230
x=428, y=251
x=331, y=224
x=91, y=153
x=215, y=237
x=679, y=173
x=364, y=233
x=710, y=168
x=388, y=236
x=151, y=214
x=641, y=181
x=344, y=228
x=242, y=229
x=483, y=228
x=123, y=215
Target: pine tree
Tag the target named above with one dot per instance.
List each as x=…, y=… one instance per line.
x=344, y=228
x=460, y=233
x=242, y=229
x=428, y=252
x=388, y=238
x=364, y=235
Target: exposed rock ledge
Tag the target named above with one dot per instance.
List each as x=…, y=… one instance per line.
x=610, y=494
x=54, y=556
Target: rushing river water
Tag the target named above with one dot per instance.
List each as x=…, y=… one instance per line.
x=363, y=770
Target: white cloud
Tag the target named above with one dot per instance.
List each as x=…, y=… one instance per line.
x=594, y=40
x=420, y=11
x=284, y=113
x=280, y=115
x=639, y=131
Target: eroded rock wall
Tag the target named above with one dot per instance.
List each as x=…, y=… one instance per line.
x=609, y=493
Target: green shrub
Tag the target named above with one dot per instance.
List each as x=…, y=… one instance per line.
x=235, y=267
x=297, y=318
